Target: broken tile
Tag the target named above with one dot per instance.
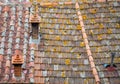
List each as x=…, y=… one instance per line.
x=17, y=46
x=32, y=52
x=17, y=40
x=82, y=74
x=25, y=46
x=106, y=81
x=2, y=45
x=7, y=63
x=31, y=80
x=74, y=69
x=101, y=74
x=9, y=51
x=1, y=51
x=24, y=51
x=25, y=41
x=32, y=58
x=86, y=61
x=10, y=40
x=3, y=33
x=55, y=67
x=12, y=23
x=26, y=34
x=24, y=65
x=44, y=73
x=10, y=34
x=5, y=14
x=6, y=77
x=31, y=64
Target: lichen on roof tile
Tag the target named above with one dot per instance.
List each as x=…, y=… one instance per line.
x=63, y=54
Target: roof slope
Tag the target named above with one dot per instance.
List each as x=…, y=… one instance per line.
x=60, y=56
x=102, y=23
x=62, y=50
x=64, y=58
x=14, y=38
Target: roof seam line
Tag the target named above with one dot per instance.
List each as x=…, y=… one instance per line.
x=90, y=57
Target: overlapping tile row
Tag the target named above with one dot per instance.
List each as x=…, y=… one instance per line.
x=2, y=46
x=9, y=50
x=13, y=1
x=14, y=36
x=102, y=25
x=61, y=56
x=64, y=1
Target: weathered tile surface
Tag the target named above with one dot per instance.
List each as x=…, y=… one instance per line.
x=102, y=28
x=61, y=56
x=65, y=58
x=13, y=38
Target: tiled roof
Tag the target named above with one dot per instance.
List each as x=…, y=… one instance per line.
x=14, y=35
x=68, y=46
x=62, y=55
x=102, y=25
